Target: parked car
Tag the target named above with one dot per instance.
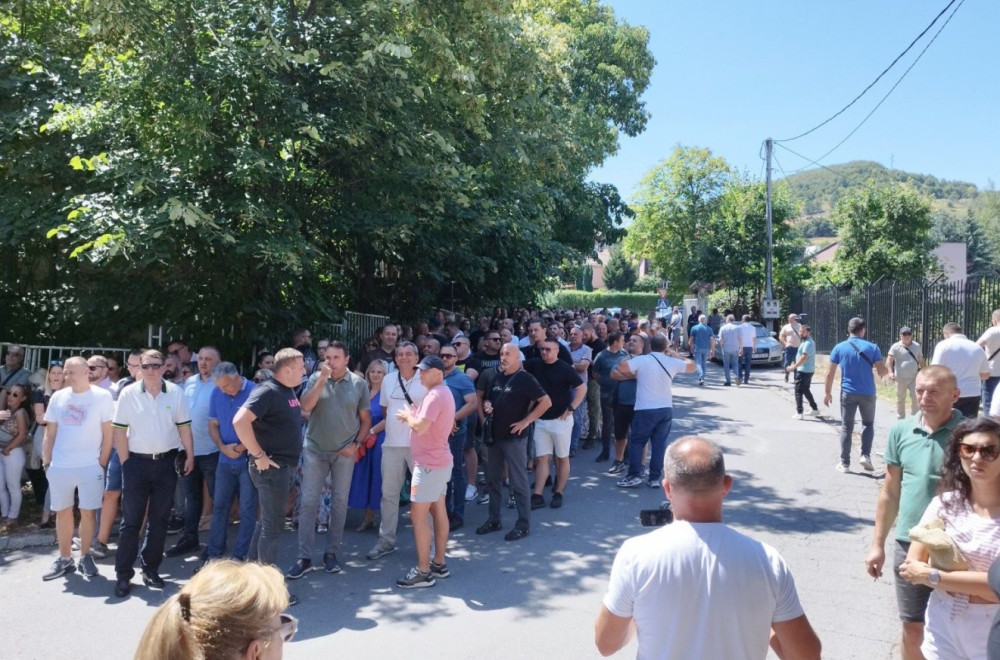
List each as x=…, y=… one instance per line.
x=768, y=349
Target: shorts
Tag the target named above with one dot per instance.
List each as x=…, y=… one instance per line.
x=553, y=436
x=624, y=412
x=961, y=636
x=64, y=481
x=428, y=485
x=113, y=482
x=911, y=599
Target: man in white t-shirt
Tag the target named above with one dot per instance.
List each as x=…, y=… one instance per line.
x=967, y=360
x=990, y=341
x=676, y=586
x=748, y=334
x=75, y=450
x=654, y=407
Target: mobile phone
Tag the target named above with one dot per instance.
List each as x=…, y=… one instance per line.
x=655, y=517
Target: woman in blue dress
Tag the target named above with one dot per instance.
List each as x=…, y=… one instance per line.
x=366, y=485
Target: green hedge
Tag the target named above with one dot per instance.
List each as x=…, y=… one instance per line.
x=639, y=302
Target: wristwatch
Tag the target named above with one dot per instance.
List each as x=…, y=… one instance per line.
x=934, y=578
x=357, y=444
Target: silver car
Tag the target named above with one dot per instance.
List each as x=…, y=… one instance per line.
x=768, y=349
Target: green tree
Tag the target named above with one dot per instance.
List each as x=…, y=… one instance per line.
x=948, y=228
x=986, y=212
x=619, y=272
x=884, y=231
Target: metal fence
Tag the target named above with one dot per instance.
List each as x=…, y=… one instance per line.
x=39, y=357
x=887, y=306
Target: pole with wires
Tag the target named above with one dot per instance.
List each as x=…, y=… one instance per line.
x=769, y=293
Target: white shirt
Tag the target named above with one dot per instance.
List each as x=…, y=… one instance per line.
x=790, y=333
x=653, y=385
x=397, y=434
x=966, y=359
x=152, y=422
x=80, y=417
x=701, y=590
x=749, y=334
x=992, y=340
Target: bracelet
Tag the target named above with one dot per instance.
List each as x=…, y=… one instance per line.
x=259, y=456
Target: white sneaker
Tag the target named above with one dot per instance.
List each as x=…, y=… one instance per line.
x=866, y=463
x=814, y=412
x=843, y=469
x=798, y=416
x=470, y=493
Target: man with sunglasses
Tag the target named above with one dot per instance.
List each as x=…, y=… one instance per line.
x=98, y=368
x=151, y=420
x=914, y=455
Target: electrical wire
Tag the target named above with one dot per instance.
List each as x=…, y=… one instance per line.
x=809, y=160
x=879, y=77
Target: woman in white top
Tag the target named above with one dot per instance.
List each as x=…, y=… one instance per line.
x=962, y=605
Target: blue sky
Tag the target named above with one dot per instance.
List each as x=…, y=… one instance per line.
x=731, y=73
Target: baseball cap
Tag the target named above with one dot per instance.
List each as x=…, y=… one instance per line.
x=905, y=330
x=431, y=362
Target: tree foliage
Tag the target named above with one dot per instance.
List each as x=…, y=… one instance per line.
x=233, y=166
x=619, y=272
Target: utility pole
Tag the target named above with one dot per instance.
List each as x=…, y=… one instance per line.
x=770, y=308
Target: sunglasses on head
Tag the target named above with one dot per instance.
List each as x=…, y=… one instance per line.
x=289, y=626
x=988, y=453
x=55, y=363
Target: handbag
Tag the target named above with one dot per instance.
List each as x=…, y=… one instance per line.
x=488, y=431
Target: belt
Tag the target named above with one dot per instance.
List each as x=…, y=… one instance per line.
x=155, y=457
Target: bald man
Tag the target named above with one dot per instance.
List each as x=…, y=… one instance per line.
x=733, y=578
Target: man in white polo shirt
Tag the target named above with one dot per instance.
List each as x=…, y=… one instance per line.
x=968, y=361
x=75, y=450
x=151, y=421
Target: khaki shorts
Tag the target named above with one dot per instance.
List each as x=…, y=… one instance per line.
x=428, y=485
x=88, y=480
x=552, y=436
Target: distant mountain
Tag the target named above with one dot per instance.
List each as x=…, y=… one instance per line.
x=816, y=191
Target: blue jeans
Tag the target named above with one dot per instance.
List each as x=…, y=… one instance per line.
x=454, y=500
x=730, y=362
x=743, y=366
x=203, y=472
x=232, y=479
x=649, y=426
x=788, y=357
x=272, y=485
x=701, y=361
x=579, y=417
x=849, y=405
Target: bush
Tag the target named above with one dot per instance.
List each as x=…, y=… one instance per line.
x=648, y=284
x=639, y=302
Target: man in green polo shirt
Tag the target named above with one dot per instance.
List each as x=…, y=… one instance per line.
x=339, y=421
x=914, y=455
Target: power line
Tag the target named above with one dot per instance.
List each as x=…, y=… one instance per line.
x=811, y=161
x=879, y=77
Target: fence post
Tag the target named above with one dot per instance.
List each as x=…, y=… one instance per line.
x=923, y=316
x=893, y=323
x=966, y=327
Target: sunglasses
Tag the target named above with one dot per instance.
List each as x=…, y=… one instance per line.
x=447, y=356
x=492, y=339
x=152, y=367
x=289, y=626
x=55, y=363
x=988, y=453
x=95, y=367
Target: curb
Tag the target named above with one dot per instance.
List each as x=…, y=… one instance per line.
x=22, y=541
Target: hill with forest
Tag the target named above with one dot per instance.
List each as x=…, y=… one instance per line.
x=816, y=191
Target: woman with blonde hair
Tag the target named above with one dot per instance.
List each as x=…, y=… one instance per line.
x=366, y=483
x=228, y=610
x=46, y=381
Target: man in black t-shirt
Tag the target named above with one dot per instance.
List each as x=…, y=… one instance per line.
x=566, y=390
x=537, y=334
x=269, y=425
x=513, y=401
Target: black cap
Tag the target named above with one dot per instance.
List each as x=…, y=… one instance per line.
x=431, y=362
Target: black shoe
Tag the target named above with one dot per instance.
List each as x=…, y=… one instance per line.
x=183, y=547
x=603, y=456
x=556, y=500
x=175, y=525
x=122, y=587
x=299, y=568
x=330, y=563
x=455, y=521
x=516, y=534
x=489, y=526
x=537, y=501
x=152, y=580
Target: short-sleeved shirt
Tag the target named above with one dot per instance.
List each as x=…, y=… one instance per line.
x=604, y=364
x=278, y=427
x=856, y=375
x=393, y=399
x=152, y=422
x=482, y=361
x=679, y=582
x=966, y=359
x=904, y=360
x=460, y=386
x=790, y=333
x=531, y=352
x=335, y=421
x=807, y=347
x=430, y=449
x=80, y=417
x=10, y=378
x=223, y=408
x=558, y=380
x=730, y=336
x=991, y=338
x=920, y=456
x=653, y=384
x=199, y=399
x=702, y=336
x=581, y=354
x=749, y=334
x=511, y=396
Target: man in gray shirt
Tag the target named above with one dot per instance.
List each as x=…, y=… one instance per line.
x=731, y=339
x=339, y=421
x=904, y=359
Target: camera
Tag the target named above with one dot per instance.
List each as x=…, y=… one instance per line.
x=656, y=517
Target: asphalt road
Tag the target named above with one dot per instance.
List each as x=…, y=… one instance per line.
x=536, y=598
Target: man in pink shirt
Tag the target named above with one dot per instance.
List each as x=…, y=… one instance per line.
x=430, y=425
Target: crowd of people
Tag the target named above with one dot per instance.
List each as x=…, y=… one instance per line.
x=516, y=396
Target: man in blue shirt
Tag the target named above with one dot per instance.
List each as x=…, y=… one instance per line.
x=804, y=366
x=855, y=357
x=232, y=478
x=701, y=344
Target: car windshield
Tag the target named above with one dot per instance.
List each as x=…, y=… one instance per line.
x=762, y=332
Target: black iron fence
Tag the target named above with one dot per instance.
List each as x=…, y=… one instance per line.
x=887, y=306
